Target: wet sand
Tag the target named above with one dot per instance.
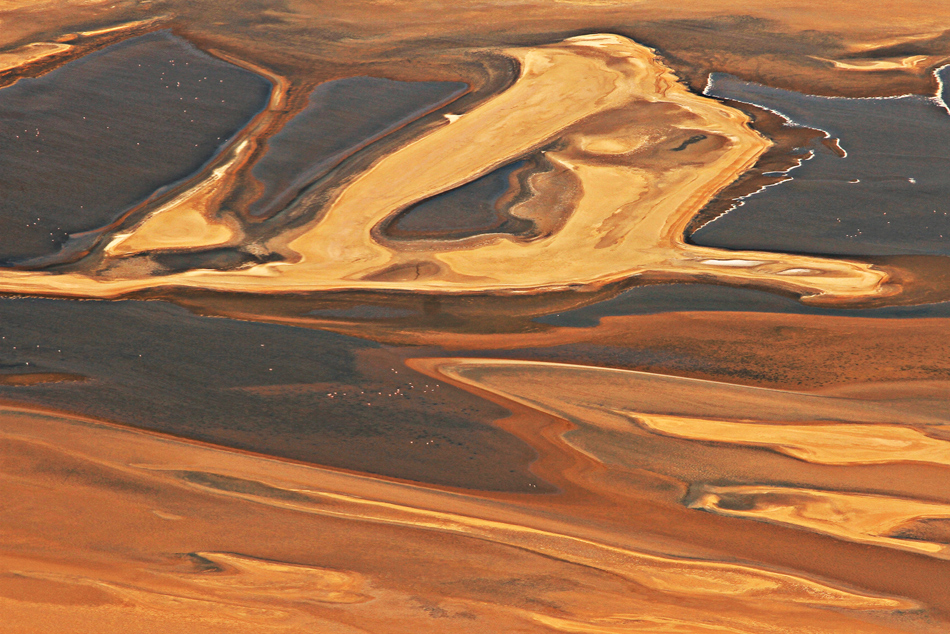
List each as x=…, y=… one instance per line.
x=341, y=118
x=299, y=394
x=474, y=209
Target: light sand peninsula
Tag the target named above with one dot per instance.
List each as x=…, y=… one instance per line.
x=204, y=539
x=184, y=221
x=125, y=26
x=897, y=63
x=31, y=53
x=621, y=121
x=34, y=52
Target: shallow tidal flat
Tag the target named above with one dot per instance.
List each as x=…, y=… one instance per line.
x=422, y=326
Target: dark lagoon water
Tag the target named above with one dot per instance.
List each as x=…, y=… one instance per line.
x=663, y=298
x=889, y=195
x=303, y=394
x=342, y=117
x=465, y=211
x=153, y=105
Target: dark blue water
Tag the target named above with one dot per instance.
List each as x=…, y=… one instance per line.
x=342, y=117
x=461, y=212
x=84, y=143
x=890, y=195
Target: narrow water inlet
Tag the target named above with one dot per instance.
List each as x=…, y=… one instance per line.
x=342, y=117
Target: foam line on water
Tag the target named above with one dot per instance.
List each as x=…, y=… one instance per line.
x=941, y=85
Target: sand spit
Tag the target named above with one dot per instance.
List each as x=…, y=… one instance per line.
x=183, y=223
x=190, y=220
x=125, y=26
x=206, y=539
x=628, y=397
x=31, y=53
x=73, y=44
x=899, y=63
x=606, y=109
x=819, y=443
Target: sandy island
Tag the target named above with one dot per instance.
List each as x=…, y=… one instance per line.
x=621, y=119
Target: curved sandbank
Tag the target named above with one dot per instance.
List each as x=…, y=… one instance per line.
x=601, y=107
x=874, y=65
